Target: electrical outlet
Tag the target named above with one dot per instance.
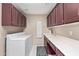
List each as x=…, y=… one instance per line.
x=70, y=32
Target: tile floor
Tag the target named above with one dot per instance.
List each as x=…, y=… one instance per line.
x=41, y=51
x=33, y=51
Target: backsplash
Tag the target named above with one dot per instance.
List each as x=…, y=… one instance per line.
x=68, y=30
x=13, y=29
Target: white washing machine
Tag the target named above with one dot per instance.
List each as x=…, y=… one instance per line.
x=18, y=44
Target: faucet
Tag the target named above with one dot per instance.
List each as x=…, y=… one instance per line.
x=51, y=29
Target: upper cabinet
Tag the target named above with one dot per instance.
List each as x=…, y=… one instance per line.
x=23, y=21
x=56, y=16
x=14, y=18
x=59, y=14
x=11, y=16
x=6, y=14
x=53, y=17
x=48, y=20
x=71, y=12
x=64, y=13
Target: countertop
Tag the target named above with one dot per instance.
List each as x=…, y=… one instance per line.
x=69, y=47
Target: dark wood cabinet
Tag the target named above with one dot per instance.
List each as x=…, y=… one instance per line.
x=6, y=14
x=45, y=43
x=59, y=14
x=51, y=48
x=56, y=16
x=71, y=12
x=53, y=18
x=11, y=16
x=19, y=18
x=23, y=21
x=58, y=52
x=14, y=16
x=48, y=21
x=64, y=13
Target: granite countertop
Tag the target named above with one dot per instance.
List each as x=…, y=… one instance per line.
x=69, y=47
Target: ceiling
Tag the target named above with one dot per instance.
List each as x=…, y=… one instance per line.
x=35, y=8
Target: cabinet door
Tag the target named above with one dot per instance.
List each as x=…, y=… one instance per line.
x=23, y=21
x=59, y=14
x=48, y=21
x=6, y=14
x=59, y=53
x=53, y=18
x=14, y=16
x=45, y=43
x=50, y=48
x=19, y=19
x=71, y=10
x=52, y=45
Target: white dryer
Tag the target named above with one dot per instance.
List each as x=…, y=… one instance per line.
x=18, y=44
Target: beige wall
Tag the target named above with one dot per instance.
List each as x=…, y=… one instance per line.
x=31, y=27
x=68, y=30
x=13, y=29
x=2, y=34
